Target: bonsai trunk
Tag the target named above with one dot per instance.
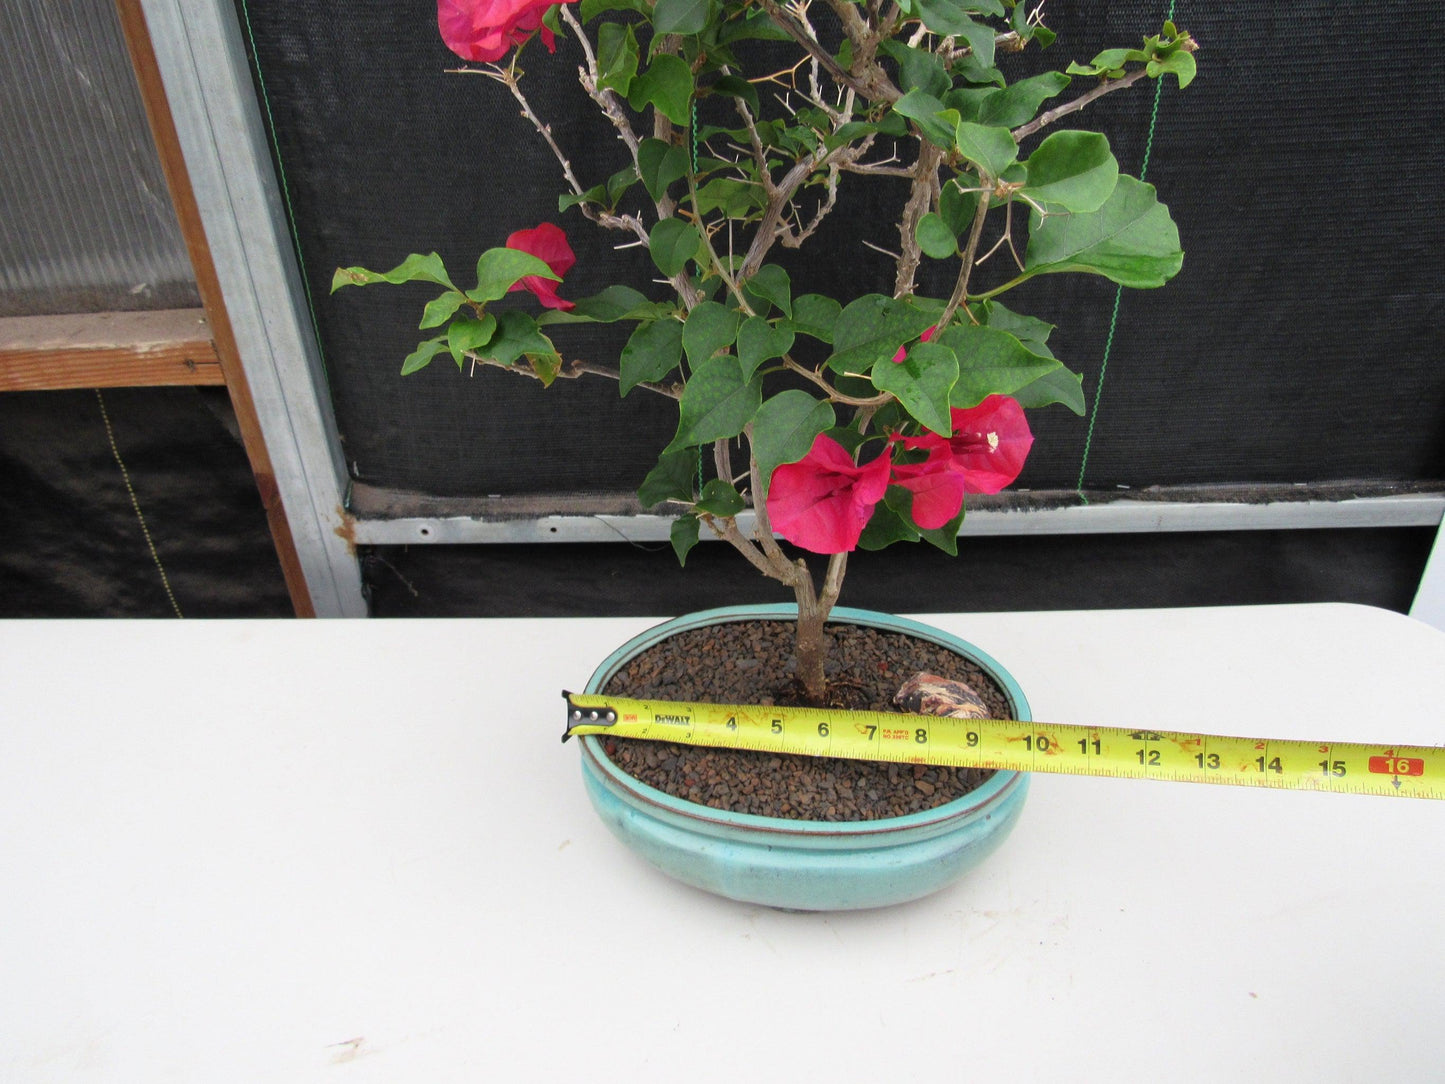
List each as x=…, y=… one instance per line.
x=764, y=554
x=813, y=610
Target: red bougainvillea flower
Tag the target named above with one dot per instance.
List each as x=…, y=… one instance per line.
x=486, y=30
x=989, y=445
x=549, y=244
x=823, y=501
x=937, y=488
x=903, y=350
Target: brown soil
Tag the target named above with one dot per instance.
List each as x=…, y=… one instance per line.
x=751, y=662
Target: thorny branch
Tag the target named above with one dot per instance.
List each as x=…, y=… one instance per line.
x=508, y=78
x=922, y=199
x=1043, y=120
x=572, y=370
x=834, y=395
x=960, y=289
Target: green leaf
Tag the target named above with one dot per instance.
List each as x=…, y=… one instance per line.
x=918, y=69
x=772, y=284
x=1029, y=330
x=815, y=316
x=1018, y=102
x=1181, y=65
x=466, y=334
x=596, y=194
x=441, y=309
x=1130, y=240
x=666, y=85
x=757, y=24
x=992, y=149
x=1115, y=59
x=899, y=503
x=710, y=327
x=428, y=268
x=717, y=402
x=935, y=237
x=784, y=428
x=734, y=198
x=651, y=353
x=971, y=71
x=619, y=183
x=683, y=535
x=991, y=362
x=660, y=165
x=981, y=40
x=613, y=304
x=719, y=498
x=679, y=16
x=967, y=101
x=590, y=9
x=948, y=17
x=672, y=243
x=872, y=328
x=854, y=129
x=616, y=57
x=499, y=269
x=421, y=357
x=1059, y=386
x=1072, y=170
x=546, y=366
x=922, y=382
x=758, y=341
x=670, y=480
x=956, y=206
x=937, y=123
x=886, y=527
x=516, y=335
x=734, y=86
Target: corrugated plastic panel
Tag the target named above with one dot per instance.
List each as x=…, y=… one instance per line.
x=86, y=223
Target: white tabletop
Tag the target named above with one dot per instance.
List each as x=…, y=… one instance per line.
x=357, y=851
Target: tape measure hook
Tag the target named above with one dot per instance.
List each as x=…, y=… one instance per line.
x=578, y=715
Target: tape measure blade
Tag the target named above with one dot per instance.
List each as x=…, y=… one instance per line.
x=1007, y=744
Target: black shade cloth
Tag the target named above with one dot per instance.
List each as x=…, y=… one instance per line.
x=1063, y=572
x=1298, y=344
x=74, y=546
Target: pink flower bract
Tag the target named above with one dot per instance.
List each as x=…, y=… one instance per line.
x=937, y=488
x=903, y=350
x=823, y=501
x=549, y=244
x=989, y=444
x=486, y=30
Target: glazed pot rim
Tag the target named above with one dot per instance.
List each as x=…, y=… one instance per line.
x=989, y=792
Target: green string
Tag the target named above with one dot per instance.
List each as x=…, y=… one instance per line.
x=692, y=139
x=285, y=187
x=1118, y=294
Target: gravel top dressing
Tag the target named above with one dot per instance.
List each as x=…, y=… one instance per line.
x=751, y=662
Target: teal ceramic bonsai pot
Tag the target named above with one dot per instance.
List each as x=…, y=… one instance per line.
x=804, y=865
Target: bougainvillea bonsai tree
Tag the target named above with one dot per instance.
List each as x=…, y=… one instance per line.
x=838, y=422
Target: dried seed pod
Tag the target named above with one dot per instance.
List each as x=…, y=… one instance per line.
x=929, y=694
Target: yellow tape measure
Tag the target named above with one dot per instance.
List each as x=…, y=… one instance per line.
x=1347, y=768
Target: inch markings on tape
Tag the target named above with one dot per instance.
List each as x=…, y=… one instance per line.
x=1170, y=755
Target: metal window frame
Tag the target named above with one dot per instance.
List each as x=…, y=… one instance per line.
x=207, y=78
x=204, y=66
